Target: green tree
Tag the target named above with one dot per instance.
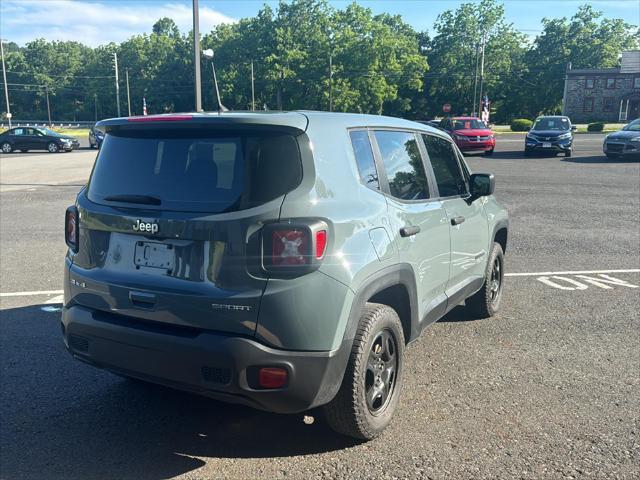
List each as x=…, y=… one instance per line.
x=587, y=40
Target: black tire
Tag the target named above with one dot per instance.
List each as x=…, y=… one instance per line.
x=568, y=153
x=6, y=147
x=486, y=302
x=612, y=155
x=24, y=150
x=527, y=153
x=52, y=147
x=488, y=153
x=349, y=413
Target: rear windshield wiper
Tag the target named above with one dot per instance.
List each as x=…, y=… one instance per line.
x=142, y=199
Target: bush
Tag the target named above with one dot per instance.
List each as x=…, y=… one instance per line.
x=521, y=125
x=595, y=127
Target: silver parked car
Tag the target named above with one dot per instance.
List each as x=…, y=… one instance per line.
x=624, y=143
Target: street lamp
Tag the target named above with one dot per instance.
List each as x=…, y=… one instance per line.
x=4, y=76
x=208, y=54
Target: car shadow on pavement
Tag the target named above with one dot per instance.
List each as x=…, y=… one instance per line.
x=600, y=159
x=64, y=419
x=459, y=314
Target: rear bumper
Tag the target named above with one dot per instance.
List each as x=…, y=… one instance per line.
x=214, y=365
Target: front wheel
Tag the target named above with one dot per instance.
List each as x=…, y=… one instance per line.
x=486, y=302
x=488, y=153
x=370, y=390
x=6, y=147
x=52, y=147
x=568, y=153
x=611, y=155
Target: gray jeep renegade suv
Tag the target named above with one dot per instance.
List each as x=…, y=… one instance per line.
x=277, y=260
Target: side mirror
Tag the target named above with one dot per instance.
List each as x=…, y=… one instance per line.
x=481, y=185
x=574, y=128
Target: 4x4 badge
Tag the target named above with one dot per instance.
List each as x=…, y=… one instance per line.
x=145, y=227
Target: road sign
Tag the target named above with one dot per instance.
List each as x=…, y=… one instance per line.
x=446, y=108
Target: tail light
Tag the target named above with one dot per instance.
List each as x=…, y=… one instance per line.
x=71, y=228
x=272, y=377
x=294, y=248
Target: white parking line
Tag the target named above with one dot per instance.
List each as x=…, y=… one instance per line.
x=576, y=272
x=31, y=294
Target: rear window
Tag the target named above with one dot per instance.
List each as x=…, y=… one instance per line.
x=195, y=171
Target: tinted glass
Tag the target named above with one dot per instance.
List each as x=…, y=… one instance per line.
x=445, y=166
x=467, y=124
x=18, y=131
x=552, y=123
x=364, y=158
x=403, y=165
x=195, y=171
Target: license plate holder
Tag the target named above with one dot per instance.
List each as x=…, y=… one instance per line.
x=546, y=145
x=154, y=255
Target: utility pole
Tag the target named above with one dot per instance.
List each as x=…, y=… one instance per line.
x=95, y=106
x=475, y=83
x=196, y=55
x=253, y=90
x=6, y=91
x=484, y=41
x=46, y=89
x=330, y=82
x=126, y=73
x=115, y=65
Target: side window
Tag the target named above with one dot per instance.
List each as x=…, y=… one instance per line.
x=364, y=158
x=445, y=165
x=18, y=131
x=403, y=164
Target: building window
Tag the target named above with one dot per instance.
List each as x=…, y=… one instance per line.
x=589, y=83
x=607, y=104
x=588, y=105
x=636, y=82
x=611, y=83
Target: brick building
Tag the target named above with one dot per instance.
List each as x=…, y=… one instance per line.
x=604, y=94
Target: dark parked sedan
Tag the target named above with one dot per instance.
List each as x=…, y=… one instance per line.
x=31, y=138
x=625, y=143
x=550, y=134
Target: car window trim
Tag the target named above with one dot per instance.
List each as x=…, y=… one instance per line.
x=383, y=179
x=464, y=170
x=375, y=161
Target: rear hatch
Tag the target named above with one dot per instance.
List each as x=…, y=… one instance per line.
x=170, y=222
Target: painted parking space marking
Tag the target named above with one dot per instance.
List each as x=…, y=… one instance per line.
x=581, y=279
x=572, y=272
x=31, y=294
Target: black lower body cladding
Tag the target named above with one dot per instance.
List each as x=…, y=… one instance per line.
x=202, y=362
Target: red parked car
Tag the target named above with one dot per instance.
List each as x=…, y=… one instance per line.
x=470, y=134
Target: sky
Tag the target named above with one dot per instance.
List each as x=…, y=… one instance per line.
x=97, y=22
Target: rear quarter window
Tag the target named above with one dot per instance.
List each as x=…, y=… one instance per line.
x=196, y=170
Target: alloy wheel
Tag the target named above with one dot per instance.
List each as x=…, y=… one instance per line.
x=382, y=367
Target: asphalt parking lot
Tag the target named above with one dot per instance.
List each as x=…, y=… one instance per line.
x=550, y=388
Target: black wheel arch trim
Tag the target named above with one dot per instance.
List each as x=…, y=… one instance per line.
x=398, y=274
x=502, y=224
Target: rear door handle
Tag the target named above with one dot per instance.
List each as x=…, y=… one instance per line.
x=409, y=231
x=142, y=299
x=457, y=220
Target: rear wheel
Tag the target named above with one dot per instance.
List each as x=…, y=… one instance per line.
x=370, y=390
x=52, y=147
x=486, y=302
x=6, y=147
